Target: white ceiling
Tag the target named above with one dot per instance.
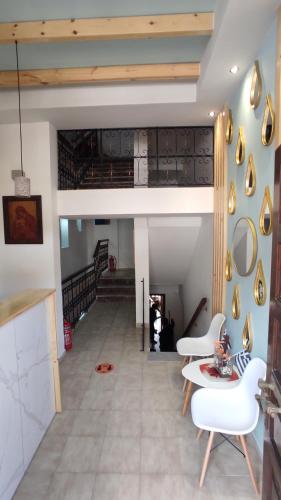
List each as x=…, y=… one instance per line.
x=240, y=28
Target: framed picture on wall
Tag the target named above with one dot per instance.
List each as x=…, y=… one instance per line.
x=22, y=220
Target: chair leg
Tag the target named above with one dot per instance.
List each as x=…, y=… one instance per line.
x=249, y=463
x=199, y=434
x=186, y=362
x=187, y=398
x=206, y=458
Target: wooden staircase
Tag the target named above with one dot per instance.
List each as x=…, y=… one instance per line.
x=118, y=286
x=107, y=176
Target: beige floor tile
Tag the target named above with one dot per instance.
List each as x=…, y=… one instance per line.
x=49, y=453
x=96, y=400
x=81, y=454
x=124, y=423
x=71, y=486
x=126, y=399
x=120, y=454
x=90, y=423
x=166, y=487
x=168, y=456
x=63, y=422
x=167, y=424
x=162, y=399
x=116, y=487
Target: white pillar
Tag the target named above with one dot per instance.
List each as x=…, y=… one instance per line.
x=141, y=159
x=141, y=268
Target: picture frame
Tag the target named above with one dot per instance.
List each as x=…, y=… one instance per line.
x=22, y=220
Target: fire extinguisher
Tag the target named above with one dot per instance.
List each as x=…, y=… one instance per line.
x=67, y=335
x=112, y=263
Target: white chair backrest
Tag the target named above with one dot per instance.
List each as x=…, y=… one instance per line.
x=255, y=369
x=215, y=327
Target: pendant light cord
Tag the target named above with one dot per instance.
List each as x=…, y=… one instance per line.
x=19, y=96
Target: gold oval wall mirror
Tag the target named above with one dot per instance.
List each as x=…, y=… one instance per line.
x=229, y=128
x=240, y=147
x=244, y=246
x=266, y=214
x=256, y=86
x=268, y=124
x=260, y=285
x=247, y=335
x=228, y=266
x=232, y=198
x=236, y=303
x=250, y=180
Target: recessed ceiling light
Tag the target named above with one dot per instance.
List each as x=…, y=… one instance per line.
x=234, y=70
x=212, y=114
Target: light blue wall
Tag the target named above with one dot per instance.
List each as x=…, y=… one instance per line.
x=251, y=120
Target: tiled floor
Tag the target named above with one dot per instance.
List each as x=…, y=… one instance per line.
x=121, y=436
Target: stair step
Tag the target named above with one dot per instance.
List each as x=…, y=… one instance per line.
x=111, y=281
x=115, y=298
x=103, y=178
x=124, y=290
x=106, y=185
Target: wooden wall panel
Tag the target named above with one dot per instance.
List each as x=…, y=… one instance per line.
x=220, y=214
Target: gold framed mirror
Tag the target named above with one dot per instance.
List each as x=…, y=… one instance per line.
x=260, y=292
x=266, y=214
x=228, y=266
x=244, y=246
x=236, y=302
x=240, y=147
x=250, y=180
x=229, y=128
x=256, y=86
x=231, y=198
x=268, y=123
x=247, y=335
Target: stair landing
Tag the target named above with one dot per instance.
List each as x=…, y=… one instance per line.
x=116, y=286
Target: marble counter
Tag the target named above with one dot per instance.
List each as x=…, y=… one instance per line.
x=27, y=385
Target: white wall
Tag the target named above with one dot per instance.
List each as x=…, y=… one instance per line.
x=32, y=266
x=135, y=202
x=141, y=247
x=173, y=304
x=75, y=257
x=198, y=279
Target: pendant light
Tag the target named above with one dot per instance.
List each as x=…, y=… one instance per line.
x=22, y=183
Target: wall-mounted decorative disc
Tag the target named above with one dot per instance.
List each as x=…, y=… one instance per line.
x=247, y=335
x=229, y=128
x=250, y=180
x=256, y=86
x=236, y=303
x=231, y=198
x=266, y=214
x=268, y=124
x=260, y=285
x=240, y=147
x=228, y=266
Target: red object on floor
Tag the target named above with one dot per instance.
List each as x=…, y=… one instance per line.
x=104, y=368
x=67, y=335
x=213, y=372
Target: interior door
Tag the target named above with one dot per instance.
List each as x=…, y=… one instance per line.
x=271, y=393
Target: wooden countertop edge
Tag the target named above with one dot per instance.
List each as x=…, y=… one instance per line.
x=20, y=302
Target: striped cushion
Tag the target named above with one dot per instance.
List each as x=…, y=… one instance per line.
x=241, y=359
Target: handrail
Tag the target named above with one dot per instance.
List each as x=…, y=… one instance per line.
x=79, y=288
x=198, y=310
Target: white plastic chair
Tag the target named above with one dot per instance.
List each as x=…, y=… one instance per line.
x=201, y=346
x=236, y=413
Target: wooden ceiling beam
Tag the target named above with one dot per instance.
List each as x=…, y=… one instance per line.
x=100, y=74
x=112, y=28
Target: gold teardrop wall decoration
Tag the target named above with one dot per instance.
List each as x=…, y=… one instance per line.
x=260, y=285
x=250, y=180
x=228, y=266
x=232, y=198
x=229, y=128
x=236, y=303
x=256, y=86
x=240, y=147
x=266, y=214
x=247, y=335
x=268, y=124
